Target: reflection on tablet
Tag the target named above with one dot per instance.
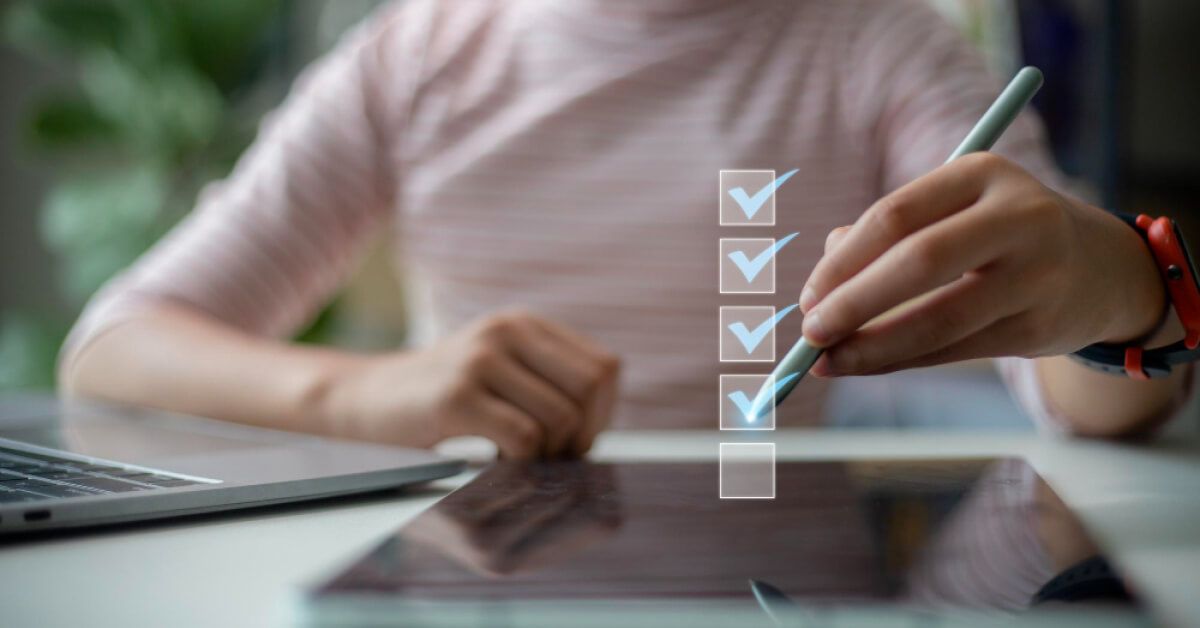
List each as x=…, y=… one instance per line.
x=959, y=534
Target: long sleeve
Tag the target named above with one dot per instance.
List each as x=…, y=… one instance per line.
x=264, y=249
x=920, y=87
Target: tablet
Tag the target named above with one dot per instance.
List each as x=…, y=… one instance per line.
x=580, y=542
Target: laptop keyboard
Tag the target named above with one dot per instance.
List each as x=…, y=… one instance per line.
x=26, y=477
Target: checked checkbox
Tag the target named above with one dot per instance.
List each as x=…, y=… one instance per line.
x=748, y=264
x=748, y=332
x=747, y=402
x=748, y=197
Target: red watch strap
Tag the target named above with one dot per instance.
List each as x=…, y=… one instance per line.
x=1133, y=364
x=1172, y=260
x=1174, y=263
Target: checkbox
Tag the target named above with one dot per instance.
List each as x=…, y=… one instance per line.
x=747, y=332
x=748, y=197
x=747, y=471
x=747, y=402
x=748, y=264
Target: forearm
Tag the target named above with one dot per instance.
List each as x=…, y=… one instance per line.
x=1098, y=404
x=180, y=360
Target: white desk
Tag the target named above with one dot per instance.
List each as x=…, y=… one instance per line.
x=1142, y=503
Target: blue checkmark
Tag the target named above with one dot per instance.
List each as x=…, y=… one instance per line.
x=751, y=204
x=752, y=411
x=751, y=339
x=751, y=267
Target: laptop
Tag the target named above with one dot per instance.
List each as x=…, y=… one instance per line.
x=68, y=464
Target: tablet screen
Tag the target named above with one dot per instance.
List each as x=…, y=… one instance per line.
x=976, y=534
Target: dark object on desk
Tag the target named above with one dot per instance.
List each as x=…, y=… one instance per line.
x=71, y=465
x=960, y=534
x=1091, y=580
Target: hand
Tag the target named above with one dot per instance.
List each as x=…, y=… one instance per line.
x=1003, y=265
x=534, y=388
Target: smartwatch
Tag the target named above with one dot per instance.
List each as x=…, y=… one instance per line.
x=1174, y=262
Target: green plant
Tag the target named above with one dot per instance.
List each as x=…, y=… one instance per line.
x=159, y=100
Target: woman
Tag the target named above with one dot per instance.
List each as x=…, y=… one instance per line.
x=559, y=158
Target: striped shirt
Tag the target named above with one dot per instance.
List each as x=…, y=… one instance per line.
x=562, y=156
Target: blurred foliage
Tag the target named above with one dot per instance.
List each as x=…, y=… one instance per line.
x=28, y=347
x=155, y=107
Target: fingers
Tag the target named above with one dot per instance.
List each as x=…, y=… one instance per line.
x=832, y=241
x=584, y=370
x=546, y=367
x=574, y=363
x=561, y=418
x=597, y=414
x=517, y=435
x=949, y=315
x=929, y=259
x=835, y=237
x=557, y=362
x=993, y=341
x=909, y=209
x=579, y=341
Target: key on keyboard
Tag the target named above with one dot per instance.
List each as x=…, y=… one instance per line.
x=27, y=476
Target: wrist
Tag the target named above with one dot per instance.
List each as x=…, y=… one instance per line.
x=326, y=395
x=372, y=397
x=1141, y=311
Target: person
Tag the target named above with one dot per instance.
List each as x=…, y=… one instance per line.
x=545, y=173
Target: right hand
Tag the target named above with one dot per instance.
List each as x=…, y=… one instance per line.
x=533, y=387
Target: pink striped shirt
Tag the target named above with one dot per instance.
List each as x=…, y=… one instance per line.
x=563, y=156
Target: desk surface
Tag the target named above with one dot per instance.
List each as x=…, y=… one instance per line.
x=1141, y=502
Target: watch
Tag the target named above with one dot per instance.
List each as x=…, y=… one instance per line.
x=1174, y=262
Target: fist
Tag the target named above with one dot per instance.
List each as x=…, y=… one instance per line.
x=531, y=386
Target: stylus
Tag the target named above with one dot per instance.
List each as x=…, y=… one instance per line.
x=995, y=120
x=775, y=603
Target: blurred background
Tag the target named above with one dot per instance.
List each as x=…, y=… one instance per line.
x=114, y=114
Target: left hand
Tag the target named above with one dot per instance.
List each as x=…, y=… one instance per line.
x=1003, y=265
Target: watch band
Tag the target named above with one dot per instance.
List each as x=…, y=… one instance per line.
x=1174, y=263
x=1132, y=361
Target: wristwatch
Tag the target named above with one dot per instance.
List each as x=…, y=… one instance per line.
x=1174, y=261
